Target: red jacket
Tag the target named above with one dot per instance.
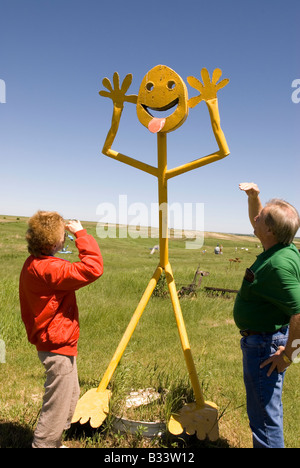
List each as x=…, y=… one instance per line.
x=47, y=296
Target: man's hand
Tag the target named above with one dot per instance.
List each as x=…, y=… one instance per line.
x=250, y=188
x=117, y=93
x=276, y=361
x=254, y=202
x=74, y=226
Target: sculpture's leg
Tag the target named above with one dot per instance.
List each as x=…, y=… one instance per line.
x=130, y=329
x=200, y=417
x=94, y=405
x=184, y=339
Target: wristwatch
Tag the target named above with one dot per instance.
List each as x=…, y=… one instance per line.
x=286, y=359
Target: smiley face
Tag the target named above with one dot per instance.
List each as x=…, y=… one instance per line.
x=162, y=104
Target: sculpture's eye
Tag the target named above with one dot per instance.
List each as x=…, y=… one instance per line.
x=149, y=86
x=171, y=84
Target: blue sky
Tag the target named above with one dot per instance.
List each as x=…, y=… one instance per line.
x=53, y=57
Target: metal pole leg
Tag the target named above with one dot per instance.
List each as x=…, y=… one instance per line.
x=130, y=329
x=184, y=339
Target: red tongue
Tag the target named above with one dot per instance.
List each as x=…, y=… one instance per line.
x=156, y=125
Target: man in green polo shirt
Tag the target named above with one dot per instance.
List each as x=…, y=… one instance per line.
x=267, y=312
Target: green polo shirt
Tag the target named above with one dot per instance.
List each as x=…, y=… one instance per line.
x=270, y=293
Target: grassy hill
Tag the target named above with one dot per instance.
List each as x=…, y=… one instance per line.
x=153, y=357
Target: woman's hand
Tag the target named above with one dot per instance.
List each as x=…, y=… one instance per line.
x=74, y=226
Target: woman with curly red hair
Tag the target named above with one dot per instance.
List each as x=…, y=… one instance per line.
x=50, y=314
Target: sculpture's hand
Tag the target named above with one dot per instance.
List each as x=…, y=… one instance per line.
x=209, y=88
x=117, y=93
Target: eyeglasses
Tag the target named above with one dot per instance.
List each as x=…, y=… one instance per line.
x=249, y=275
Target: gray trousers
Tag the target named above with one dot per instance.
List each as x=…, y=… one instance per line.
x=59, y=401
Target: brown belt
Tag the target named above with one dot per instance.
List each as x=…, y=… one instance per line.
x=246, y=333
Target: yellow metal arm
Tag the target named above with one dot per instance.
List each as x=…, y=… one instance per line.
x=194, y=164
x=118, y=96
x=131, y=162
x=212, y=105
x=213, y=108
x=119, y=156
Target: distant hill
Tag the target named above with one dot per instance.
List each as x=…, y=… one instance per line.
x=174, y=233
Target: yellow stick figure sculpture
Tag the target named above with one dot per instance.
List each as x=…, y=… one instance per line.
x=161, y=89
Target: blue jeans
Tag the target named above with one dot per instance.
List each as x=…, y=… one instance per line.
x=264, y=403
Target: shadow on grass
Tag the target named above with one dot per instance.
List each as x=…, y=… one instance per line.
x=105, y=437
x=13, y=435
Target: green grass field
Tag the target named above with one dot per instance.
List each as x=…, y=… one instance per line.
x=153, y=357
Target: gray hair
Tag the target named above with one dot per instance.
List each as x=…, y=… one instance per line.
x=283, y=220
